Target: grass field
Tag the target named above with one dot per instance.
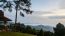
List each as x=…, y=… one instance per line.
x=14, y=34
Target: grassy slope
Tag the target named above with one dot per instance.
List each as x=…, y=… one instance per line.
x=14, y=34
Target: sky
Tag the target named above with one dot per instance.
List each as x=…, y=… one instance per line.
x=46, y=12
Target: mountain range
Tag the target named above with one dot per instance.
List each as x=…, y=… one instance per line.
x=45, y=28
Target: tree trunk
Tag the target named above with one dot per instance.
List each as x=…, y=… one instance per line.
x=16, y=16
x=15, y=19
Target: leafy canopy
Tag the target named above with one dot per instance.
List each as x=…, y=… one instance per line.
x=17, y=5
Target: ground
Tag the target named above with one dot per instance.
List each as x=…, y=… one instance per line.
x=14, y=34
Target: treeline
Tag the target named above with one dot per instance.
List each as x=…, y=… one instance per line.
x=59, y=30
x=24, y=29
x=28, y=29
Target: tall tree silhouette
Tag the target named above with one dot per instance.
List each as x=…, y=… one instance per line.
x=40, y=33
x=59, y=30
x=18, y=6
x=28, y=29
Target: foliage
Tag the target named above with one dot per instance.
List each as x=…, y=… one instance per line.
x=59, y=30
x=47, y=33
x=17, y=5
x=34, y=31
x=22, y=28
x=28, y=29
x=17, y=27
x=40, y=33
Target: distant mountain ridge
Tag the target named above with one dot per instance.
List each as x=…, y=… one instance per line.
x=45, y=28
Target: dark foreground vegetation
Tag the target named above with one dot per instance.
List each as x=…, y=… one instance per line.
x=59, y=30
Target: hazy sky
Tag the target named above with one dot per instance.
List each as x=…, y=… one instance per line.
x=47, y=12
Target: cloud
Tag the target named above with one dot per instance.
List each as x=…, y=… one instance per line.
x=41, y=20
x=43, y=12
x=56, y=17
x=40, y=13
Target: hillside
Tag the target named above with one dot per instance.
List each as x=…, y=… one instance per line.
x=14, y=34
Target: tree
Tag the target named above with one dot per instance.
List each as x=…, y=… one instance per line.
x=47, y=33
x=17, y=27
x=28, y=29
x=18, y=6
x=34, y=31
x=40, y=33
x=22, y=28
x=59, y=30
